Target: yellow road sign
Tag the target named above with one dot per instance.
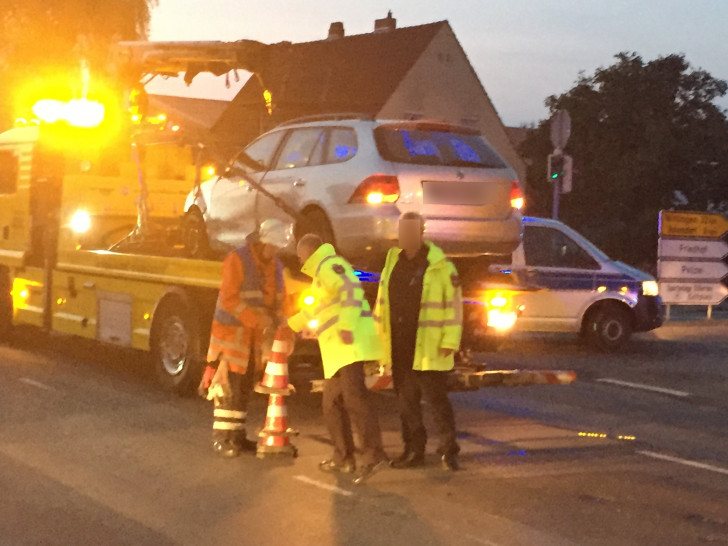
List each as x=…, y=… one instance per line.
x=705, y=225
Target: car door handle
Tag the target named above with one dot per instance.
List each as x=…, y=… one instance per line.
x=299, y=183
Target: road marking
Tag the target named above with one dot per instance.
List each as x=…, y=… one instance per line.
x=686, y=462
x=322, y=485
x=34, y=383
x=481, y=540
x=644, y=387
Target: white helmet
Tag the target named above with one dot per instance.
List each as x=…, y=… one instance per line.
x=275, y=233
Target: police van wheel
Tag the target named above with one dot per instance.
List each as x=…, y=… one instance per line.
x=194, y=233
x=175, y=347
x=608, y=328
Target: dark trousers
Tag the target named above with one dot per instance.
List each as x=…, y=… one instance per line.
x=230, y=413
x=410, y=386
x=345, y=403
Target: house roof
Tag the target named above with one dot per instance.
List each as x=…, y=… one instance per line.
x=357, y=73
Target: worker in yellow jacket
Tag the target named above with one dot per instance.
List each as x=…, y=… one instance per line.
x=342, y=320
x=419, y=317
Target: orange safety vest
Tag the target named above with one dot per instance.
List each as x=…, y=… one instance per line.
x=250, y=300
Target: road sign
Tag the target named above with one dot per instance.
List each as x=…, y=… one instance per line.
x=696, y=293
x=560, y=129
x=693, y=257
x=705, y=225
x=708, y=249
x=708, y=271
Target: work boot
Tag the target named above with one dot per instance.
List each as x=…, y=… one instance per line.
x=450, y=463
x=330, y=466
x=225, y=448
x=369, y=470
x=409, y=459
x=243, y=444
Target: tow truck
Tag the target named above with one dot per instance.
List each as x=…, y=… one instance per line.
x=90, y=227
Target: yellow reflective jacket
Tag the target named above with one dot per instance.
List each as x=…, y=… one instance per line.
x=338, y=304
x=441, y=312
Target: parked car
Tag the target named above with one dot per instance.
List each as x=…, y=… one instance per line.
x=579, y=289
x=348, y=178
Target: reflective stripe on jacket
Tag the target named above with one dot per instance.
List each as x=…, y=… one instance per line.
x=440, y=317
x=339, y=304
x=250, y=298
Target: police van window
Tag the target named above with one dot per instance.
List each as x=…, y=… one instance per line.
x=8, y=172
x=342, y=145
x=548, y=247
x=263, y=149
x=299, y=148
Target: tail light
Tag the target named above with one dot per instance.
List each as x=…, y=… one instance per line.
x=376, y=189
x=517, y=200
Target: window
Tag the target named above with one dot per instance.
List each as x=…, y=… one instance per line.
x=548, y=247
x=342, y=145
x=299, y=148
x=263, y=149
x=435, y=144
x=8, y=172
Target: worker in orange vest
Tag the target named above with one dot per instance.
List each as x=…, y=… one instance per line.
x=248, y=311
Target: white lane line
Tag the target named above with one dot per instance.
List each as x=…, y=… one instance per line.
x=686, y=462
x=322, y=485
x=644, y=387
x=34, y=383
x=481, y=540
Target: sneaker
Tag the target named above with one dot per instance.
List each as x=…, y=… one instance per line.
x=225, y=448
x=449, y=463
x=330, y=466
x=409, y=459
x=369, y=470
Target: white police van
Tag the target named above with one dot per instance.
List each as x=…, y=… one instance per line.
x=578, y=288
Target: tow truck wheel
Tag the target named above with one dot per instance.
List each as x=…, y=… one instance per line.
x=608, y=328
x=194, y=233
x=175, y=347
x=6, y=307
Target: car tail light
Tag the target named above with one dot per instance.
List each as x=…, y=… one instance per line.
x=376, y=189
x=517, y=200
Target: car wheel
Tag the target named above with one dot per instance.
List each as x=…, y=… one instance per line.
x=175, y=347
x=194, y=233
x=315, y=221
x=608, y=328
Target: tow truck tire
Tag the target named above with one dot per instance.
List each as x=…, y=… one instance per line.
x=6, y=307
x=175, y=347
x=315, y=221
x=608, y=327
x=194, y=233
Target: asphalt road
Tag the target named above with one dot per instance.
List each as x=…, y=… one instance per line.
x=635, y=452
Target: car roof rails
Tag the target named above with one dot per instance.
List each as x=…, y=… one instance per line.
x=328, y=117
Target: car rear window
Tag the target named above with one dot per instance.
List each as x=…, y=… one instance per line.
x=423, y=144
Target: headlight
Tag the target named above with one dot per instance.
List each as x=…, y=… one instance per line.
x=650, y=288
x=80, y=221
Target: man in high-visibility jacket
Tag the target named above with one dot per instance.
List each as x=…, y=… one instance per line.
x=249, y=309
x=419, y=317
x=341, y=318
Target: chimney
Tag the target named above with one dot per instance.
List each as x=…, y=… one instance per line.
x=336, y=31
x=385, y=25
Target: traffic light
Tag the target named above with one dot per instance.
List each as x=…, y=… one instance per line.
x=560, y=169
x=556, y=167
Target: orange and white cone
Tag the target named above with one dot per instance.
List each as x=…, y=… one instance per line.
x=275, y=378
x=274, y=439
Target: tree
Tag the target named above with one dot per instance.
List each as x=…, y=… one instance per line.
x=47, y=40
x=645, y=136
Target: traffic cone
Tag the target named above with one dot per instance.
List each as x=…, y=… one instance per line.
x=275, y=378
x=274, y=439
